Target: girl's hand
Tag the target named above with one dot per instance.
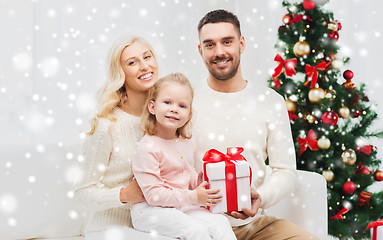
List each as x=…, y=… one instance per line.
x=200, y=178
x=207, y=197
x=132, y=193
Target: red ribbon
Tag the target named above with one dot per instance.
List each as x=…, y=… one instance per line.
x=298, y=18
x=312, y=73
x=277, y=84
x=292, y=116
x=340, y=213
x=309, y=141
x=374, y=226
x=288, y=64
x=233, y=155
x=364, y=149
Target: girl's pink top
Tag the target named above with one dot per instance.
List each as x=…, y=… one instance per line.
x=164, y=169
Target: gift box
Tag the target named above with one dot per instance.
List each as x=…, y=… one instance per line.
x=376, y=229
x=230, y=173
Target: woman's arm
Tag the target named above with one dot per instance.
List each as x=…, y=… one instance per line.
x=89, y=191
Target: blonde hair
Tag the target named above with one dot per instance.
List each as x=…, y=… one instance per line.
x=148, y=122
x=113, y=91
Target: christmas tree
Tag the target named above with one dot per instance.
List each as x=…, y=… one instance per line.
x=330, y=116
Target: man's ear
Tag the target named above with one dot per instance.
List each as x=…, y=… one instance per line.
x=242, y=43
x=200, y=49
x=151, y=106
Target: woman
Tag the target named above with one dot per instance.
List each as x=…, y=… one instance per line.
x=107, y=187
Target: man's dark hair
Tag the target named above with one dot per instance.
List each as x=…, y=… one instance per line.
x=218, y=16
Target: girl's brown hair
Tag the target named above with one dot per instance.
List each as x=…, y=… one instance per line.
x=148, y=122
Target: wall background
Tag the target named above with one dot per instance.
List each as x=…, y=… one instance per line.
x=52, y=61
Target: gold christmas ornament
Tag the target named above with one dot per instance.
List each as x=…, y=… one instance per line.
x=310, y=118
x=291, y=105
x=316, y=94
x=344, y=112
x=328, y=175
x=337, y=63
x=324, y=143
x=330, y=94
x=301, y=48
x=349, y=156
x=332, y=26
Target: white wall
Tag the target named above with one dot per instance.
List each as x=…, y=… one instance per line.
x=53, y=54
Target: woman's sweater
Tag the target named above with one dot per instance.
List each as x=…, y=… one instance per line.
x=107, y=168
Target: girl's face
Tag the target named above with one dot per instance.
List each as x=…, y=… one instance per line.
x=139, y=66
x=172, y=109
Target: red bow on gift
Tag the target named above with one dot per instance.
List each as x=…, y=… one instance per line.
x=364, y=149
x=298, y=18
x=312, y=73
x=340, y=213
x=289, y=68
x=309, y=141
x=374, y=226
x=233, y=155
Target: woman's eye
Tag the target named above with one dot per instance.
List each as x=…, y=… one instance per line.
x=131, y=62
x=147, y=57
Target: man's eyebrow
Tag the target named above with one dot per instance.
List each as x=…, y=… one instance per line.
x=224, y=38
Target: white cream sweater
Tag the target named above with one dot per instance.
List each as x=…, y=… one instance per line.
x=107, y=168
x=254, y=118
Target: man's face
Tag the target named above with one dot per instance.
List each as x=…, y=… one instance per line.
x=221, y=47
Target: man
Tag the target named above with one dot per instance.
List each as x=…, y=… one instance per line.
x=231, y=111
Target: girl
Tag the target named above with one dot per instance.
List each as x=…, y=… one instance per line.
x=164, y=169
x=107, y=184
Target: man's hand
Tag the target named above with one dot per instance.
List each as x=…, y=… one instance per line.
x=246, y=213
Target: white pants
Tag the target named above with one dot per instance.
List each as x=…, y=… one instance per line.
x=188, y=223
x=124, y=233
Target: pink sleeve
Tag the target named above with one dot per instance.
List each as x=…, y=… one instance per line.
x=146, y=169
x=194, y=174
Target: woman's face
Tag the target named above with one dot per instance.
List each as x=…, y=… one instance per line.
x=139, y=66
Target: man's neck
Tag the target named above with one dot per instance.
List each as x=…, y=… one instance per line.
x=231, y=85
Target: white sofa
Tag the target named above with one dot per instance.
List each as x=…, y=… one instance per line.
x=36, y=198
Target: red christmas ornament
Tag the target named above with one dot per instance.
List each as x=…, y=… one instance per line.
x=310, y=141
x=365, y=171
x=348, y=75
x=349, y=187
x=330, y=118
x=286, y=19
x=356, y=113
x=334, y=35
x=308, y=5
x=378, y=176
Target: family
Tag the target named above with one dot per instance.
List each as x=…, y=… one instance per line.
x=142, y=174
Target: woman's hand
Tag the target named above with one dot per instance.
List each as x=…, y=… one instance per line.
x=207, y=197
x=132, y=193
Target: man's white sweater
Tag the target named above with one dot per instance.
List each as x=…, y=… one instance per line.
x=256, y=119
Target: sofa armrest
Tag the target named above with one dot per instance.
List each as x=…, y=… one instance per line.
x=307, y=206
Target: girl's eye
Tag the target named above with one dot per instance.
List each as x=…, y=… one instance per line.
x=182, y=106
x=167, y=102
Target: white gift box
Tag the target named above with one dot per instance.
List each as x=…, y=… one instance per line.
x=215, y=173
x=379, y=233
